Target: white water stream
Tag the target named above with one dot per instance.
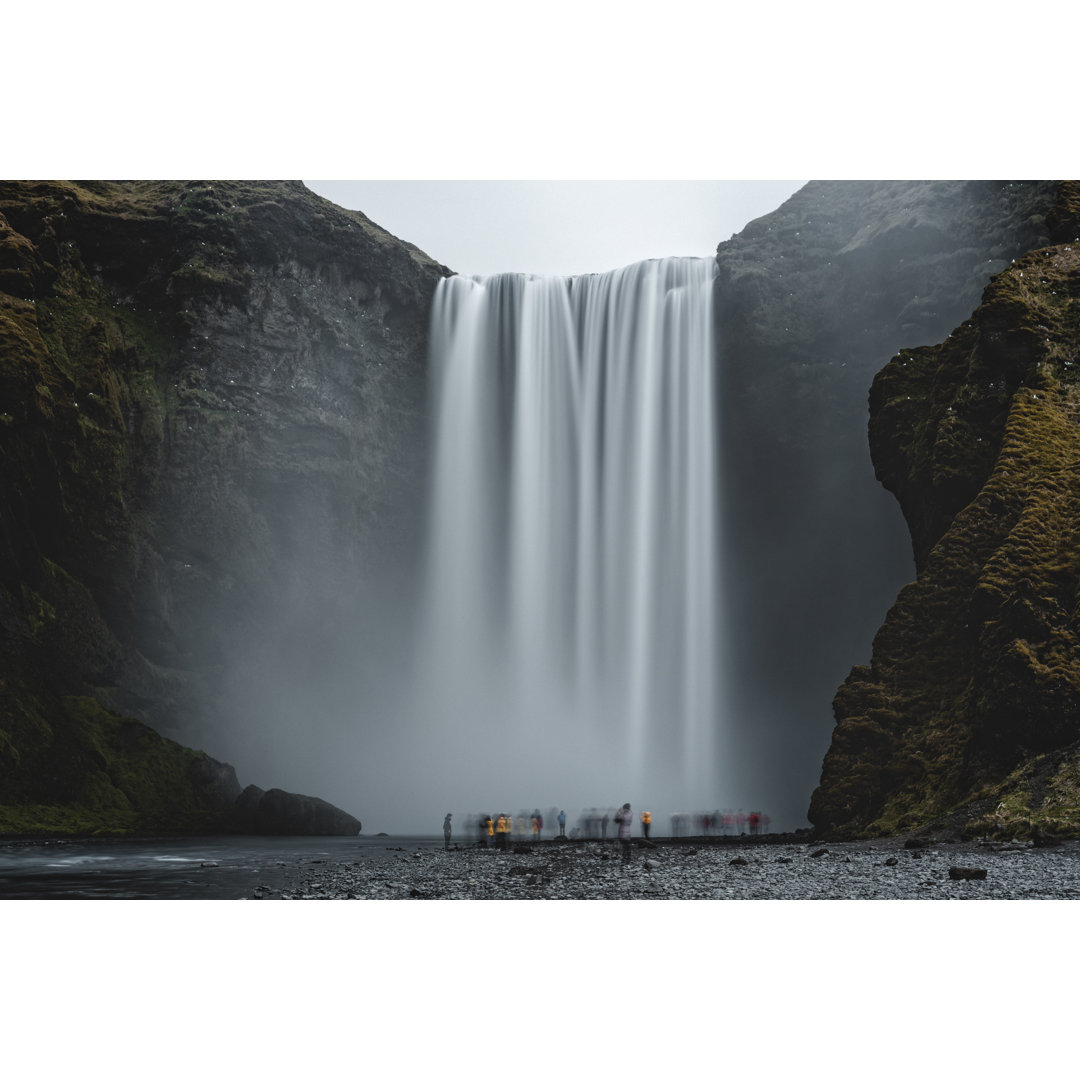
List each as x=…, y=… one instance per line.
x=571, y=635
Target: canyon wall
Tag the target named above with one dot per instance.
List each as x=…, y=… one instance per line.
x=212, y=399
x=967, y=717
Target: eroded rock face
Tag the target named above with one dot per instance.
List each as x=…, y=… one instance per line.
x=969, y=712
x=210, y=409
x=812, y=300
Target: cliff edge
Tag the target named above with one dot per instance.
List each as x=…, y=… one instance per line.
x=210, y=399
x=968, y=716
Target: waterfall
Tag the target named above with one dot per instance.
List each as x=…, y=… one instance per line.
x=571, y=644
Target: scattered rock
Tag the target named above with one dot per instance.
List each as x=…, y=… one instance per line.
x=740, y=861
x=966, y=873
x=817, y=854
x=913, y=843
x=892, y=862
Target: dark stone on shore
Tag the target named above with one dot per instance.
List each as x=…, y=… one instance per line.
x=281, y=813
x=966, y=873
x=817, y=854
x=892, y=862
x=914, y=842
x=740, y=861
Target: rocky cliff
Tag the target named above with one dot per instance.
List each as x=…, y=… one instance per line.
x=968, y=715
x=211, y=396
x=811, y=301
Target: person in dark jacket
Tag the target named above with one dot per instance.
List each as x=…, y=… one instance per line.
x=446, y=831
x=624, y=819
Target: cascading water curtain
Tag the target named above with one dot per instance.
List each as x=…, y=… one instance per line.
x=572, y=593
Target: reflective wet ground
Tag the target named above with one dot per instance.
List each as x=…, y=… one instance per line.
x=181, y=868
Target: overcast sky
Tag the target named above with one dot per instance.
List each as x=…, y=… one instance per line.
x=558, y=226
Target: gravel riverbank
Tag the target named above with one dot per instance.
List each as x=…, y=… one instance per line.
x=864, y=870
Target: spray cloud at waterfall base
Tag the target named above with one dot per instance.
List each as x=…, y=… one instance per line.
x=570, y=645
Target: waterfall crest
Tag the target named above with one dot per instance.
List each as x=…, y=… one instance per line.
x=571, y=634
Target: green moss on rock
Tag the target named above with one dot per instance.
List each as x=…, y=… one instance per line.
x=979, y=658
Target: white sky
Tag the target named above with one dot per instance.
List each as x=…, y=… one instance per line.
x=558, y=226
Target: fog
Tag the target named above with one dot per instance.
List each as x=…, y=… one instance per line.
x=342, y=694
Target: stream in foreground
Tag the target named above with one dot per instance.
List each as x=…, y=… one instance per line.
x=179, y=868
x=410, y=868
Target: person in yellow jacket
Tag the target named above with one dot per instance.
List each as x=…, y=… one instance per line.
x=646, y=821
x=502, y=827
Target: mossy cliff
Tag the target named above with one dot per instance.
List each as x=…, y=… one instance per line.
x=198, y=381
x=968, y=715
x=811, y=301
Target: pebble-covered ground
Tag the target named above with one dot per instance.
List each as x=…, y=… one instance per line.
x=876, y=870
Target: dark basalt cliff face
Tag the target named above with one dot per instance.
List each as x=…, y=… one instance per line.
x=968, y=716
x=811, y=300
x=210, y=398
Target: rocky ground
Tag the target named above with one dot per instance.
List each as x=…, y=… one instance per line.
x=864, y=870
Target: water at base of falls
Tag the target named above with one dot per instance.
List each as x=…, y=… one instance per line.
x=571, y=637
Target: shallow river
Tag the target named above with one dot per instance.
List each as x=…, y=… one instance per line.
x=188, y=868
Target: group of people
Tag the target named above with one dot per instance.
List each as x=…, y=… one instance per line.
x=501, y=828
x=593, y=825
x=498, y=830
x=720, y=823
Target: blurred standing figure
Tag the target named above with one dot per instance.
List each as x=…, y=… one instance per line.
x=483, y=828
x=502, y=827
x=603, y=826
x=624, y=819
x=537, y=825
x=646, y=821
x=446, y=831
x=562, y=822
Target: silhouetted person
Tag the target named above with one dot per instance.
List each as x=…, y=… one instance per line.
x=483, y=828
x=603, y=827
x=562, y=822
x=446, y=831
x=624, y=819
x=503, y=825
x=646, y=821
x=537, y=825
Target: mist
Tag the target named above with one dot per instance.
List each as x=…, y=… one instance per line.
x=436, y=633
